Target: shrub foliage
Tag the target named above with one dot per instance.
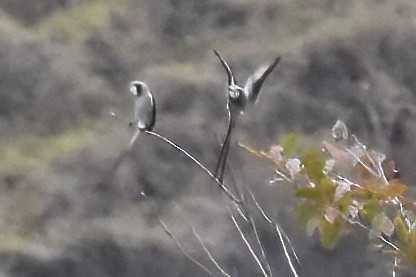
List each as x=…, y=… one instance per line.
x=344, y=183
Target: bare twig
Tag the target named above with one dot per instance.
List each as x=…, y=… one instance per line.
x=283, y=176
x=259, y=208
x=281, y=235
x=290, y=245
x=244, y=213
x=200, y=165
x=292, y=268
x=395, y=264
x=376, y=166
x=199, y=239
x=256, y=235
x=385, y=241
x=181, y=247
x=247, y=243
x=360, y=161
x=216, y=264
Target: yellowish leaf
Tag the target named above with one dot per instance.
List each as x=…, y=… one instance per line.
x=289, y=142
x=330, y=233
x=314, y=163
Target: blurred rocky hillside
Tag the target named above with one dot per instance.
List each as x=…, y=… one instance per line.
x=66, y=63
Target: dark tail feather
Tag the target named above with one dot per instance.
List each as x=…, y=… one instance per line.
x=222, y=160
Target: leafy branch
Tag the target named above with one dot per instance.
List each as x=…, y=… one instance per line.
x=344, y=183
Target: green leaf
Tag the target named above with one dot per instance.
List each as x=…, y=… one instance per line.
x=289, y=142
x=314, y=163
x=306, y=211
x=323, y=193
x=330, y=233
x=308, y=193
x=327, y=189
x=400, y=227
x=371, y=208
x=344, y=203
x=407, y=238
x=411, y=249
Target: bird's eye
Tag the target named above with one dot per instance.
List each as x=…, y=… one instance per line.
x=133, y=89
x=136, y=89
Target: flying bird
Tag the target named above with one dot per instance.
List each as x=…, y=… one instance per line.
x=238, y=97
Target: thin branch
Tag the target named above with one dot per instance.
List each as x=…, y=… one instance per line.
x=200, y=165
x=177, y=147
x=290, y=245
x=181, y=247
x=395, y=265
x=381, y=171
x=247, y=243
x=387, y=242
x=263, y=253
x=358, y=159
x=292, y=268
x=246, y=216
x=284, y=177
x=259, y=208
x=199, y=239
x=376, y=166
x=240, y=208
x=256, y=203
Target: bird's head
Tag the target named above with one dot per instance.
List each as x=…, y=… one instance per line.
x=137, y=87
x=236, y=96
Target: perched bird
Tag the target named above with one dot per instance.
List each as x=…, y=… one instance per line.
x=144, y=109
x=238, y=97
x=144, y=120
x=144, y=106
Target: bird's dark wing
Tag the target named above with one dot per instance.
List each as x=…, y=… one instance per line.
x=255, y=81
x=153, y=121
x=230, y=74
